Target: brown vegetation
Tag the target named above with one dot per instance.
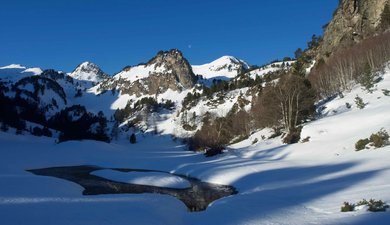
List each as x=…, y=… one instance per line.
x=288, y=103
x=216, y=133
x=353, y=65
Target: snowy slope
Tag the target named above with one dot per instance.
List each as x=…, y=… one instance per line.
x=144, y=178
x=226, y=67
x=304, y=183
x=140, y=72
x=15, y=72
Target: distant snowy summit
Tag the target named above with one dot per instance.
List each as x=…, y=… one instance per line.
x=167, y=63
x=226, y=67
x=17, y=71
x=88, y=71
x=164, y=63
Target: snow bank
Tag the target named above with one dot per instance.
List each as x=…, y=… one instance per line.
x=144, y=178
x=140, y=72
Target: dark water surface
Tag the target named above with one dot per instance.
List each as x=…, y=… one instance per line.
x=196, y=197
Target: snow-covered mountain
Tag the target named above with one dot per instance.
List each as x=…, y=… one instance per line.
x=306, y=182
x=139, y=129
x=224, y=68
x=167, y=70
x=17, y=71
x=88, y=71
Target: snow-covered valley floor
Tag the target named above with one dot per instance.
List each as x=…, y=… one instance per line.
x=304, y=183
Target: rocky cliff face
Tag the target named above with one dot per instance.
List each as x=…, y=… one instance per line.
x=353, y=21
x=179, y=67
x=167, y=70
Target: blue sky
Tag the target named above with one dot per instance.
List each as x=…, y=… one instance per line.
x=115, y=33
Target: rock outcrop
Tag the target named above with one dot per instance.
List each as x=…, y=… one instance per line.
x=179, y=67
x=354, y=20
x=167, y=70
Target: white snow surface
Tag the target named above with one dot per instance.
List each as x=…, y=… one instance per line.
x=226, y=67
x=15, y=72
x=135, y=73
x=144, y=178
x=13, y=66
x=303, y=183
x=87, y=71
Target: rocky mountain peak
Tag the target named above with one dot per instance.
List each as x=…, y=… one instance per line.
x=353, y=21
x=174, y=61
x=88, y=71
x=166, y=55
x=167, y=70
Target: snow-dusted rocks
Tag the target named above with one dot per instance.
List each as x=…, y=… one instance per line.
x=88, y=71
x=167, y=70
x=270, y=68
x=144, y=178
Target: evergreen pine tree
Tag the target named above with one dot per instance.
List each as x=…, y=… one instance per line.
x=102, y=127
x=133, y=139
x=4, y=127
x=115, y=131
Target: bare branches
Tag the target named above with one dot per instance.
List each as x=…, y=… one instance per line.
x=289, y=103
x=345, y=68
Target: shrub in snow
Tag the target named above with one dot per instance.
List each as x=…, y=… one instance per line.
x=359, y=102
x=37, y=131
x=347, y=207
x=386, y=92
x=133, y=139
x=348, y=105
x=306, y=139
x=377, y=140
x=189, y=127
x=377, y=206
x=4, y=127
x=373, y=206
x=361, y=144
x=293, y=136
x=362, y=202
x=46, y=132
x=255, y=141
x=277, y=133
x=380, y=139
x=213, y=151
x=18, y=131
x=78, y=94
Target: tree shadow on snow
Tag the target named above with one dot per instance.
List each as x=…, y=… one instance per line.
x=276, y=194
